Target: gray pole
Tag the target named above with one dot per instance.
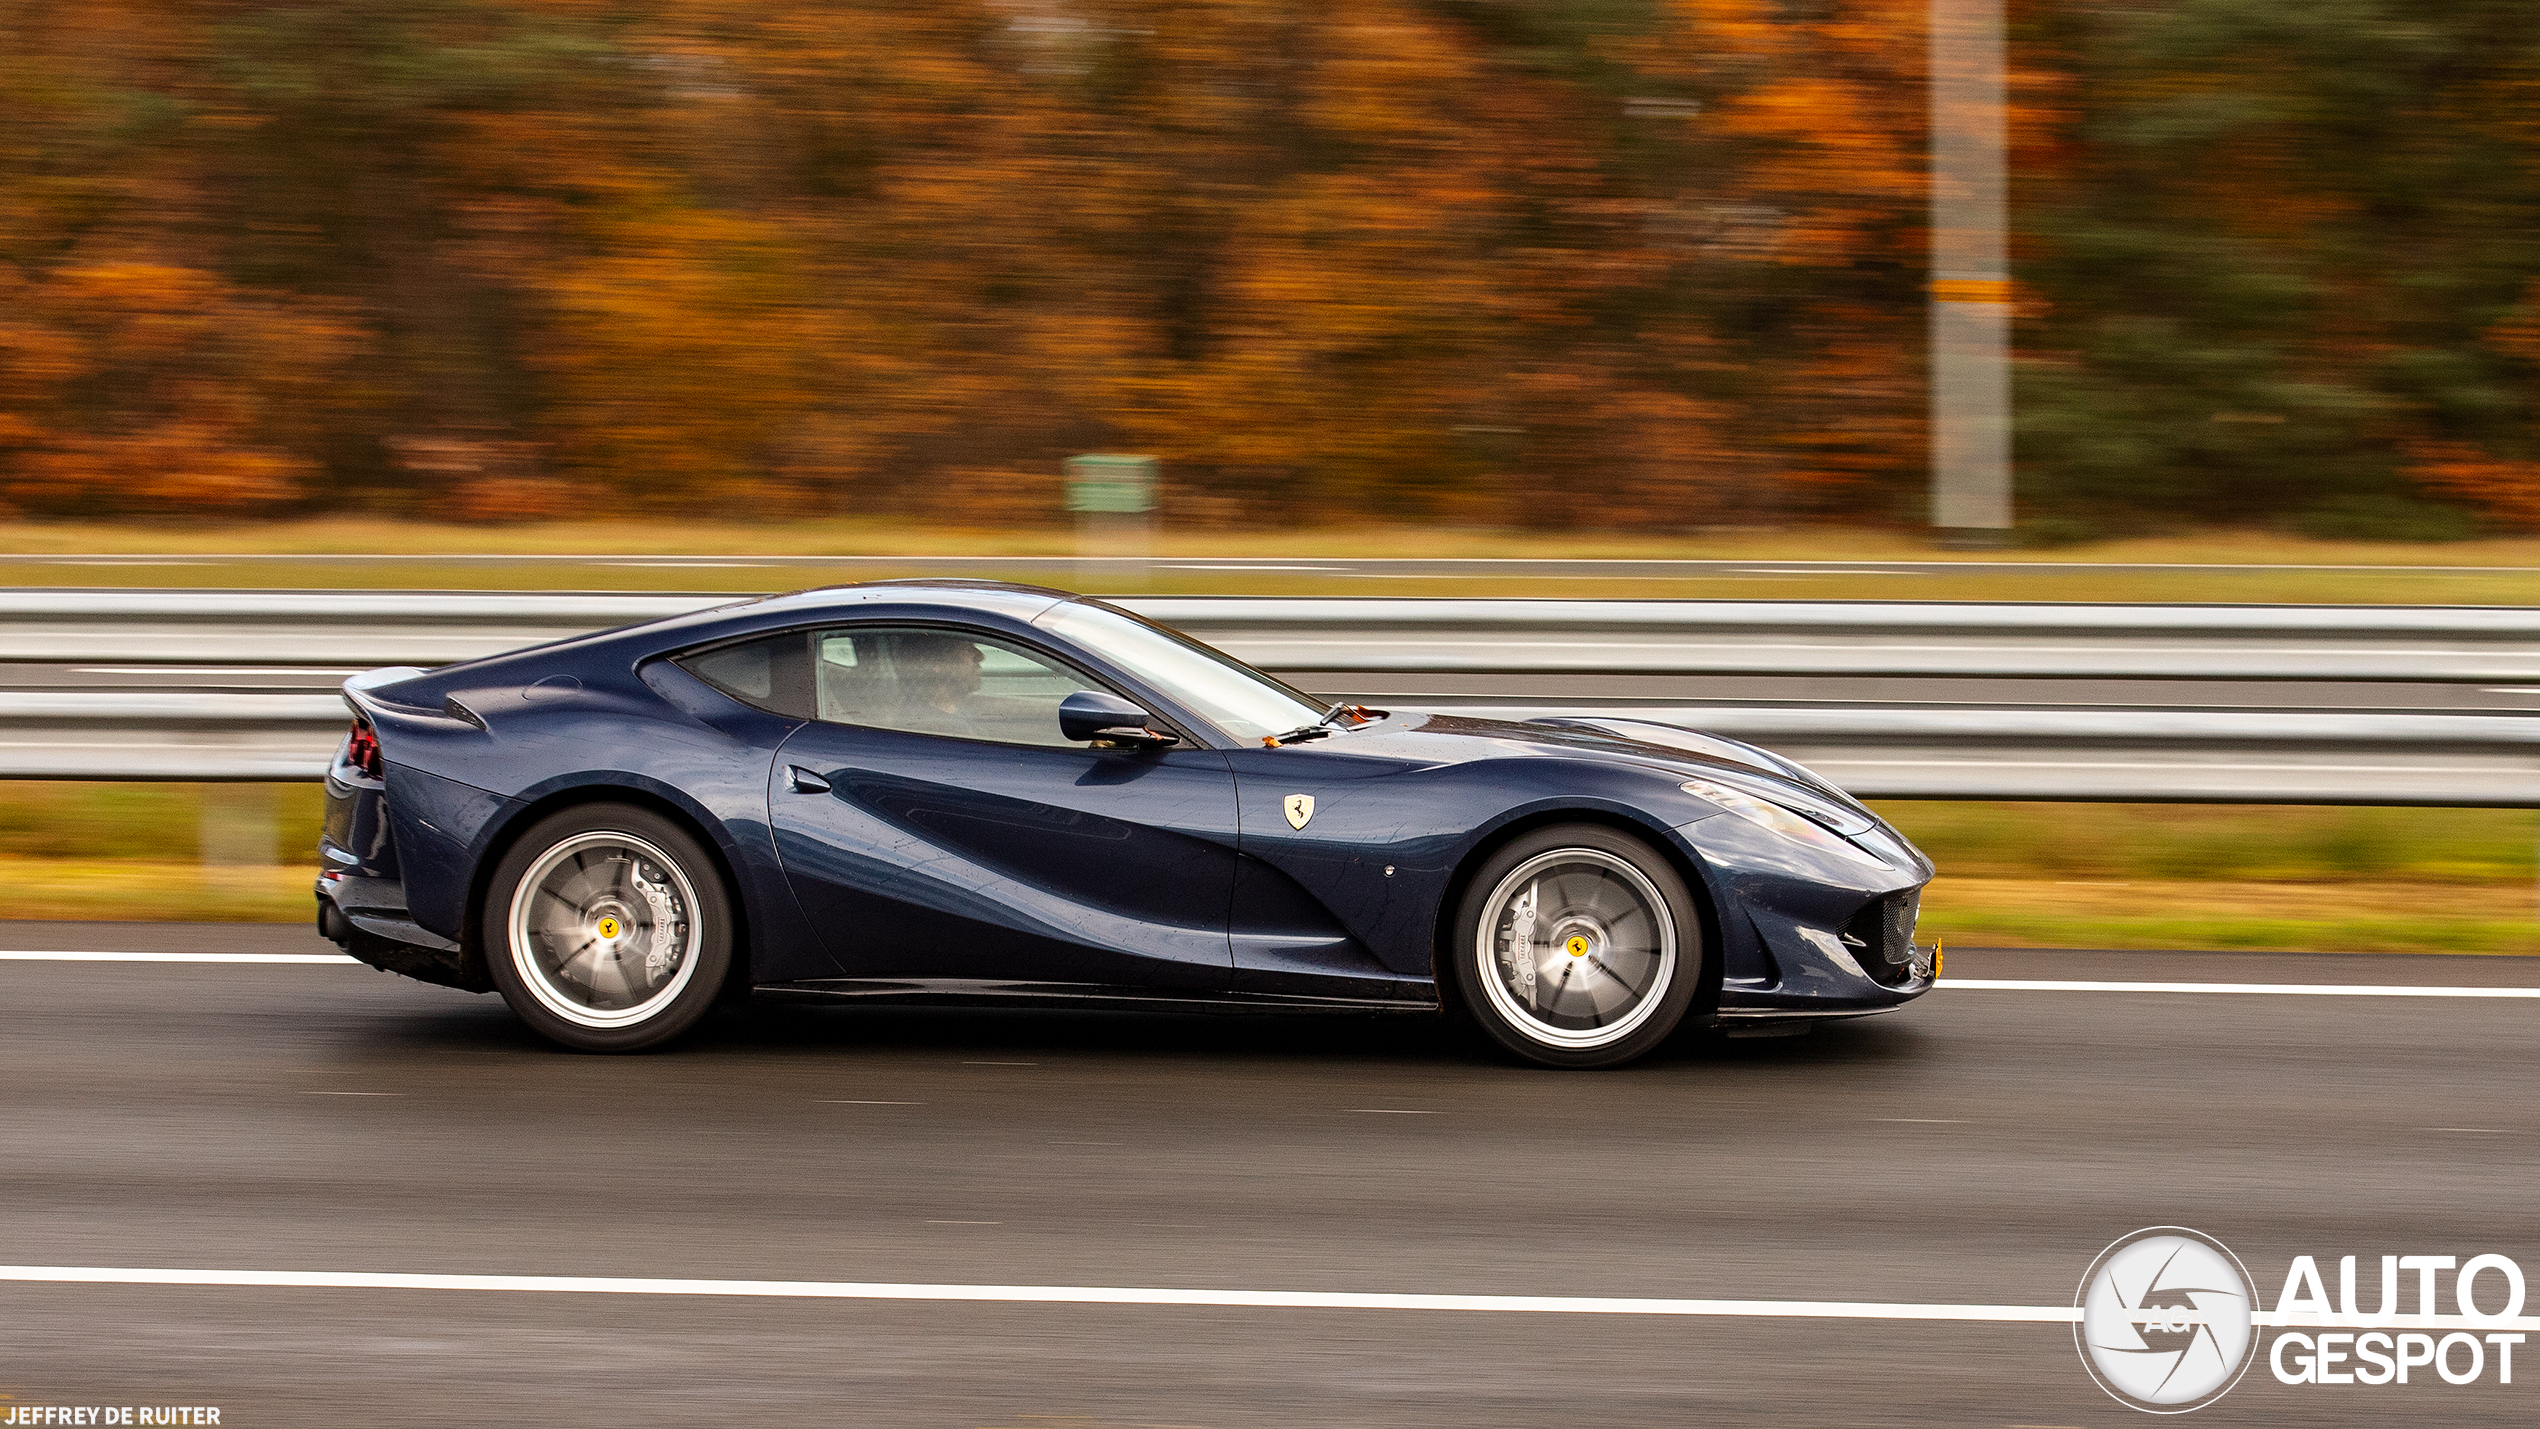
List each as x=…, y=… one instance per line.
x=1970, y=279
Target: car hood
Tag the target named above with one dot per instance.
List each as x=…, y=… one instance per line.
x=1679, y=750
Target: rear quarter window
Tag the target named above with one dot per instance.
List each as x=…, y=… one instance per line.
x=772, y=672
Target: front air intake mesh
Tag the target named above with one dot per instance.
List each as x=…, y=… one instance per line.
x=1881, y=936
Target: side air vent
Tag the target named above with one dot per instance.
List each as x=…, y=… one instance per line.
x=1881, y=936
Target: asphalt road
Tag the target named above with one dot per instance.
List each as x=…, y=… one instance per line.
x=1978, y=1148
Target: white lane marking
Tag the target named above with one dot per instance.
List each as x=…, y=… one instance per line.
x=1388, y=1111
x=352, y=1094
x=27, y=956
x=1923, y=1120
x=859, y=1101
x=1029, y=1294
x=1128, y=1295
x=2290, y=989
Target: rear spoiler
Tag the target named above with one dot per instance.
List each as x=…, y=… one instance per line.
x=362, y=694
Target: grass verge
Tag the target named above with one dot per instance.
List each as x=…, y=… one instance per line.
x=2039, y=875
x=2487, y=572
x=2204, y=914
x=145, y=890
x=2238, y=844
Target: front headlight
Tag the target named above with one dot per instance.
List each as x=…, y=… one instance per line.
x=1798, y=828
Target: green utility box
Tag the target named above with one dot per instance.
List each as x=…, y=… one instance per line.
x=1115, y=485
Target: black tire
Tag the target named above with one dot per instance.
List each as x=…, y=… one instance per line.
x=1622, y=928
x=625, y=941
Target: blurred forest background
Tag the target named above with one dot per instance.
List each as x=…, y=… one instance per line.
x=1492, y=262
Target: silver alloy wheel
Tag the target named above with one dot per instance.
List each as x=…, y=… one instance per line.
x=604, y=929
x=1576, y=948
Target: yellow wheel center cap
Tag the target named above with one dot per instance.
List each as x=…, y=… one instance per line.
x=610, y=927
x=1577, y=947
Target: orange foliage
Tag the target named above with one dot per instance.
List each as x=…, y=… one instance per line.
x=144, y=389
x=2507, y=490
x=538, y=257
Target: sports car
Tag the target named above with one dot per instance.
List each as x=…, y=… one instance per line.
x=969, y=791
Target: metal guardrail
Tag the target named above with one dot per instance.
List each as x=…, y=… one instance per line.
x=1897, y=752
x=2238, y=642
x=1869, y=638
x=355, y=627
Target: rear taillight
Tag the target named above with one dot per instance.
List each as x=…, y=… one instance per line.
x=361, y=749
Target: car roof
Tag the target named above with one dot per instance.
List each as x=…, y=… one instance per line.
x=1007, y=598
x=992, y=603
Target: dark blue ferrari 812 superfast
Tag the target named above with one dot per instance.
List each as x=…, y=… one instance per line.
x=939, y=791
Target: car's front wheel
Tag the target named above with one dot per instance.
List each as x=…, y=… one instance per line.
x=1577, y=946
x=607, y=928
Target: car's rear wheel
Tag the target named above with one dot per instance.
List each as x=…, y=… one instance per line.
x=1577, y=946
x=608, y=929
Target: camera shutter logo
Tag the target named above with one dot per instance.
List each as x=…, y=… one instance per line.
x=2164, y=1324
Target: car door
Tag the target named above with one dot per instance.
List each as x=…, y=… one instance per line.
x=936, y=827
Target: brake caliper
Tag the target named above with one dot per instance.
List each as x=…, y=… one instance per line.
x=663, y=955
x=1521, y=940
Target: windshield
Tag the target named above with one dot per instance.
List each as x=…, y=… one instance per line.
x=1233, y=696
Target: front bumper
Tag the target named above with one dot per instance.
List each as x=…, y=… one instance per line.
x=1807, y=936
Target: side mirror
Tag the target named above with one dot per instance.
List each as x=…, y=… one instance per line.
x=1099, y=717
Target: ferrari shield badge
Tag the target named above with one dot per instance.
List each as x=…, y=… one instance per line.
x=1300, y=808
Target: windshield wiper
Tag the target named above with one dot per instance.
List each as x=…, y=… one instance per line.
x=1323, y=727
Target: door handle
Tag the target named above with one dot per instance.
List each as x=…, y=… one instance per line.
x=804, y=781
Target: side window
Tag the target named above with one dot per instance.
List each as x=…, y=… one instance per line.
x=770, y=673
x=940, y=682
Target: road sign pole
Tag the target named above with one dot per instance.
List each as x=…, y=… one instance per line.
x=1113, y=498
x=1970, y=279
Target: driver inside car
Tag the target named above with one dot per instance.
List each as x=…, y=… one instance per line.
x=941, y=688
x=939, y=683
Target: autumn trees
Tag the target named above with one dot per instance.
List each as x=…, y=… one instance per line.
x=1595, y=262
x=2267, y=250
